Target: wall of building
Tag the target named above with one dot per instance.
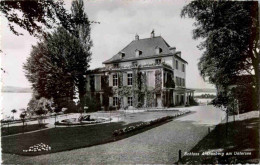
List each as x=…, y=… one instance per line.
x=178, y=72
x=167, y=60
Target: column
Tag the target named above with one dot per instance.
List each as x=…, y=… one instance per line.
x=173, y=97
x=185, y=98
x=162, y=78
x=188, y=98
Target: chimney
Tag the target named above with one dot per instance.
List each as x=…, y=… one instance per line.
x=172, y=50
x=152, y=34
x=136, y=37
x=178, y=53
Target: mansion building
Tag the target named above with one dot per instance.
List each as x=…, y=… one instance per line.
x=146, y=73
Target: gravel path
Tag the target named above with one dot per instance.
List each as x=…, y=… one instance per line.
x=159, y=145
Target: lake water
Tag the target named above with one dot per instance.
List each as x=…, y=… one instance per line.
x=203, y=100
x=16, y=101
x=201, y=93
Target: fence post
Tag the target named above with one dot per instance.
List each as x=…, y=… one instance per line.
x=179, y=155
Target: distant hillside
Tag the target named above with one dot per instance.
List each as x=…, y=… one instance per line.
x=12, y=89
x=205, y=90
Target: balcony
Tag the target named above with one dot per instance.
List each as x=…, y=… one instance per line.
x=160, y=65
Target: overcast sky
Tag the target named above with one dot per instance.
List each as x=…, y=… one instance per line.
x=120, y=21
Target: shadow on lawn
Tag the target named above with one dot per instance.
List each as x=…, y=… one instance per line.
x=68, y=138
x=242, y=139
x=20, y=129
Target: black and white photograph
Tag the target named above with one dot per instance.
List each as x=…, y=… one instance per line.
x=129, y=82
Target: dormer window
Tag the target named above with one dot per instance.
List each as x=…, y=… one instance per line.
x=158, y=50
x=122, y=55
x=158, y=61
x=115, y=65
x=138, y=53
x=134, y=63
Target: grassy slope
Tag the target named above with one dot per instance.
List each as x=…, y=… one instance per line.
x=65, y=138
x=19, y=129
x=242, y=136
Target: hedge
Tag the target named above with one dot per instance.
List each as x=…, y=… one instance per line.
x=146, y=124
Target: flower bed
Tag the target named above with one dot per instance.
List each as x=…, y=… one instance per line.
x=38, y=148
x=74, y=121
x=146, y=124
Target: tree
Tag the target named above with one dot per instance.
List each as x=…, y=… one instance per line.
x=22, y=117
x=36, y=17
x=55, y=64
x=231, y=39
x=81, y=30
x=13, y=111
x=45, y=69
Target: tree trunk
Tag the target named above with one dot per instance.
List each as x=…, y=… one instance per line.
x=234, y=117
x=55, y=120
x=82, y=92
x=227, y=123
x=23, y=126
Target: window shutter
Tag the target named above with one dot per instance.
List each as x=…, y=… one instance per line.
x=110, y=80
x=87, y=84
x=110, y=101
x=124, y=79
x=98, y=82
x=118, y=81
x=125, y=101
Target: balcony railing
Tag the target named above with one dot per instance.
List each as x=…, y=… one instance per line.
x=138, y=66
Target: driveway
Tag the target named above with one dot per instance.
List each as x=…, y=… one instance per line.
x=159, y=145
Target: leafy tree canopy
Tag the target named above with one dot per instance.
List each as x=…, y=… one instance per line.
x=81, y=30
x=55, y=64
x=35, y=16
x=231, y=38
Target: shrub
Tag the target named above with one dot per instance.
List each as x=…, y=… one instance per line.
x=37, y=103
x=193, y=102
x=111, y=108
x=93, y=104
x=141, y=125
x=70, y=105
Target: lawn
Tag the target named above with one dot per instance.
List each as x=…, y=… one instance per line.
x=19, y=129
x=66, y=138
x=242, y=139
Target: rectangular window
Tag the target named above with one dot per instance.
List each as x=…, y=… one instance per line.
x=130, y=101
x=115, y=101
x=177, y=64
x=179, y=81
x=134, y=63
x=158, y=61
x=115, y=80
x=129, y=79
x=183, y=67
x=184, y=82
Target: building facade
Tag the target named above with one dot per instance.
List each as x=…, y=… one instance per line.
x=146, y=73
